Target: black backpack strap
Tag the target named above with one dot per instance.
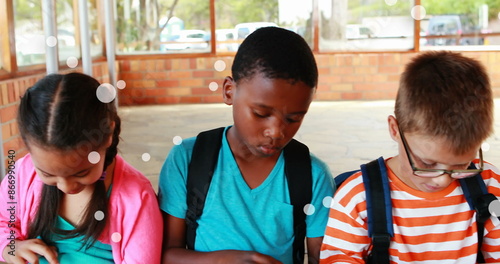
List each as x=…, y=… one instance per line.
x=379, y=209
x=299, y=177
x=479, y=200
x=201, y=169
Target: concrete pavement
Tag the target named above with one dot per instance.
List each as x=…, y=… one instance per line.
x=344, y=134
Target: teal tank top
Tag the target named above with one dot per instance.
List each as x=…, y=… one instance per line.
x=70, y=250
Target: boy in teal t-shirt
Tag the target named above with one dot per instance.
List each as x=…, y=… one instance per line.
x=248, y=217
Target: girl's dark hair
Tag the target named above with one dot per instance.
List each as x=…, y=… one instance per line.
x=276, y=53
x=62, y=112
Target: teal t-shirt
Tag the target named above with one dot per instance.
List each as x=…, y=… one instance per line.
x=237, y=217
x=70, y=250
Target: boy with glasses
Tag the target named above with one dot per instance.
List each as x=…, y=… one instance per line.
x=443, y=113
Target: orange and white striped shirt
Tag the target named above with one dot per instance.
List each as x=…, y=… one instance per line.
x=428, y=227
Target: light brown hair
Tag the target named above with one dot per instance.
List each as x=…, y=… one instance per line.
x=445, y=94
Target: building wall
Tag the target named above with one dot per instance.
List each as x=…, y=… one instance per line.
x=362, y=76
x=367, y=76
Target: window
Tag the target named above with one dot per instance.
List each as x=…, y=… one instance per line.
x=96, y=44
x=66, y=39
x=461, y=25
x=29, y=36
x=156, y=26
x=185, y=26
x=360, y=25
x=243, y=17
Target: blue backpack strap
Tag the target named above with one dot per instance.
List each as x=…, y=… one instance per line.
x=201, y=169
x=379, y=209
x=298, y=172
x=339, y=179
x=479, y=199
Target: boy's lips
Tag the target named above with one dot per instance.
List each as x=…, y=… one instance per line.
x=432, y=188
x=269, y=149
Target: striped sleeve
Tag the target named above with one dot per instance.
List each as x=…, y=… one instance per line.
x=346, y=237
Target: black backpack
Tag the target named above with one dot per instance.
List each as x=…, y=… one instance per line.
x=202, y=166
x=378, y=199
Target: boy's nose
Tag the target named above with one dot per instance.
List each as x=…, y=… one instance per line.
x=443, y=180
x=275, y=129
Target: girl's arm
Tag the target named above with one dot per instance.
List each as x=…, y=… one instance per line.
x=142, y=228
x=13, y=246
x=175, y=252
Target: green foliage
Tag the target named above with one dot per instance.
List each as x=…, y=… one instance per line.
x=380, y=8
x=230, y=12
x=28, y=9
x=194, y=13
x=470, y=7
x=359, y=9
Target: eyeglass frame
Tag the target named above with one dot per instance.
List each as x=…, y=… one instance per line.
x=449, y=172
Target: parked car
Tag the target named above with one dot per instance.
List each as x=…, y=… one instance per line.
x=188, y=39
x=452, y=25
x=244, y=29
x=356, y=31
x=226, y=39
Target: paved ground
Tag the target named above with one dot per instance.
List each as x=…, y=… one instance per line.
x=343, y=134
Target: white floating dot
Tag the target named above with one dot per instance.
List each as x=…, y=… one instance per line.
x=485, y=146
x=327, y=201
x=94, y=157
x=99, y=215
x=106, y=93
x=72, y=62
x=391, y=2
x=51, y=41
x=146, y=157
x=498, y=15
x=418, y=12
x=213, y=86
x=116, y=237
x=177, y=140
x=309, y=209
x=220, y=65
x=121, y=84
x=494, y=208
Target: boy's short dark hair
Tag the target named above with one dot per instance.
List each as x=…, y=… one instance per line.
x=445, y=94
x=277, y=53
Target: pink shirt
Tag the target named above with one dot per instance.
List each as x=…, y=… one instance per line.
x=135, y=229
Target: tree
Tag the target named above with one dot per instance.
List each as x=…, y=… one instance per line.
x=470, y=7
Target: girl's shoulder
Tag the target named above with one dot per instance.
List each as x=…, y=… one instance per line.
x=128, y=180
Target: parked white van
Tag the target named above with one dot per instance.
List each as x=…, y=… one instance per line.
x=244, y=29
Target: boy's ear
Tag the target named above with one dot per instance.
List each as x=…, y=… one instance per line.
x=393, y=128
x=228, y=90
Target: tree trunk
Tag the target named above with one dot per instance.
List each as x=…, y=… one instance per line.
x=338, y=20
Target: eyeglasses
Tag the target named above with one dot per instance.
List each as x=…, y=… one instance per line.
x=430, y=173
